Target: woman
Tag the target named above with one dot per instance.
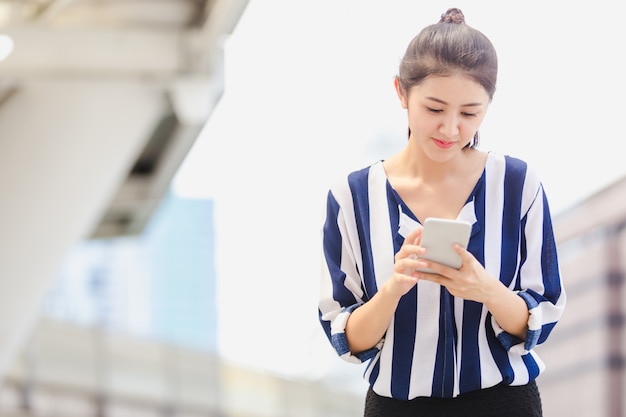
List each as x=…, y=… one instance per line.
x=454, y=342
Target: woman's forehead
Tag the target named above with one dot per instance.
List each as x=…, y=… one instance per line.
x=452, y=89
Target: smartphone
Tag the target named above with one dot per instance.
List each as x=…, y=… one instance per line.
x=438, y=237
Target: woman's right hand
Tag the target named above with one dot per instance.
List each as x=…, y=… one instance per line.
x=406, y=261
x=367, y=324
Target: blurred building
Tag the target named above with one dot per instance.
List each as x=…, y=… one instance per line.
x=586, y=354
x=160, y=284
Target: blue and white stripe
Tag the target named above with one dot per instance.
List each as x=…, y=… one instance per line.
x=438, y=345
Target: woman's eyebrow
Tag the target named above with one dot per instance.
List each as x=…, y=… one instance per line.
x=438, y=100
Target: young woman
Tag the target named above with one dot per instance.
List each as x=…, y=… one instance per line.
x=454, y=342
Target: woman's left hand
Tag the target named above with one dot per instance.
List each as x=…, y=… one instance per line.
x=470, y=282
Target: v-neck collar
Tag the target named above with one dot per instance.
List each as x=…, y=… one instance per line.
x=408, y=221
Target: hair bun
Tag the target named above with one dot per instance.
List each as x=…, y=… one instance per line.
x=452, y=15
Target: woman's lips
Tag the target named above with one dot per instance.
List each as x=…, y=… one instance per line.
x=443, y=144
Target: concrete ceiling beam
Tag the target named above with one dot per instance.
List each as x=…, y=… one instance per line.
x=53, y=53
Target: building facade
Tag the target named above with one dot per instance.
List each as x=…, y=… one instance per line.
x=585, y=355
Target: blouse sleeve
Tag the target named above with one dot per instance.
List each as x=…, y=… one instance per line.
x=341, y=291
x=539, y=279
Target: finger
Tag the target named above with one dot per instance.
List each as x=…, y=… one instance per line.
x=466, y=256
x=414, y=237
x=411, y=250
x=436, y=268
x=408, y=252
x=408, y=265
x=432, y=277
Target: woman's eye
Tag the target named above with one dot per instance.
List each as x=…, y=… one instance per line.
x=430, y=109
x=469, y=114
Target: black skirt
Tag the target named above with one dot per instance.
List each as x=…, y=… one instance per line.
x=501, y=400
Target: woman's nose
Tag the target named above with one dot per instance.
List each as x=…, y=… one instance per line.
x=450, y=126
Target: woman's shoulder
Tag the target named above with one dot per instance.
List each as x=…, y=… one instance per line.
x=355, y=183
x=514, y=173
x=510, y=165
x=357, y=176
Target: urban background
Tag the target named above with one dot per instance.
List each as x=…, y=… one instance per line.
x=164, y=164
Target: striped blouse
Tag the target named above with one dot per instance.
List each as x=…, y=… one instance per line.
x=438, y=345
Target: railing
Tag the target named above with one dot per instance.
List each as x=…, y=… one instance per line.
x=69, y=371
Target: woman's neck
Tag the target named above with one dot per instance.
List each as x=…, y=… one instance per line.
x=414, y=163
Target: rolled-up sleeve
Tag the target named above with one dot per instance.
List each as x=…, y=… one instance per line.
x=341, y=290
x=539, y=281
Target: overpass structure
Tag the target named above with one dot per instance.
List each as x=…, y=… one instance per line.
x=100, y=102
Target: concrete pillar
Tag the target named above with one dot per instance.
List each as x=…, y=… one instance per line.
x=64, y=149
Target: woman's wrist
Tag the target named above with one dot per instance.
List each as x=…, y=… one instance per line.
x=390, y=293
x=508, y=309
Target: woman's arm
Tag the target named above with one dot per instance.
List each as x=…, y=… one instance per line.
x=367, y=324
x=509, y=310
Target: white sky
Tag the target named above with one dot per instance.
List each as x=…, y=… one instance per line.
x=309, y=97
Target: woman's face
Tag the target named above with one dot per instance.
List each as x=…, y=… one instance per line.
x=444, y=113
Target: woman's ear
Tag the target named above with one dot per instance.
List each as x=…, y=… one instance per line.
x=401, y=93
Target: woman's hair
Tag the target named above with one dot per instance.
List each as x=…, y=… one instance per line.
x=446, y=48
